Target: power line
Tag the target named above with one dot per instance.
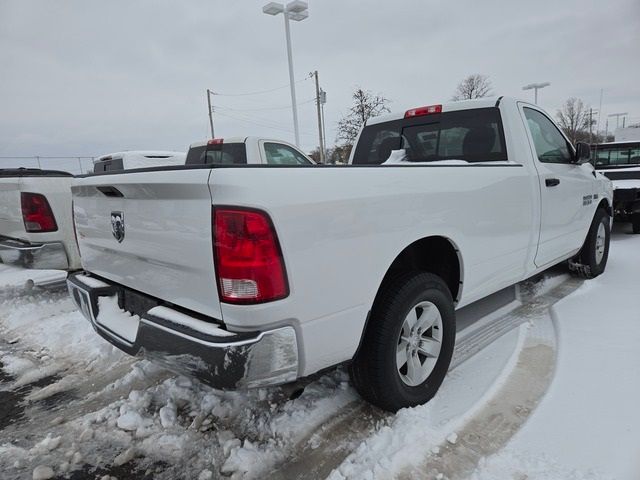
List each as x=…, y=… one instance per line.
x=264, y=125
x=258, y=92
x=283, y=107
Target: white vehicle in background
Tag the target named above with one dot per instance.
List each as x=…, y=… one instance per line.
x=36, y=226
x=246, y=150
x=137, y=159
x=247, y=272
x=620, y=162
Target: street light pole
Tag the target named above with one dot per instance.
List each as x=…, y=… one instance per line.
x=535, y=87
x=294, y=105
x=296, y=10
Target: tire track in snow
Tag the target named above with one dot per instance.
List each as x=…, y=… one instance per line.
x=325, y=450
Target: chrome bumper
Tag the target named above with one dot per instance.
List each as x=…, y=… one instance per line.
x=34, y=255
x=184, y=343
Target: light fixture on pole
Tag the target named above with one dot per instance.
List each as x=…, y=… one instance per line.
x=296, y=11
x=536, y=87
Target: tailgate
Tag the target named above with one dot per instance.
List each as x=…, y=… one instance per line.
x=11, y=223
x=150, y=231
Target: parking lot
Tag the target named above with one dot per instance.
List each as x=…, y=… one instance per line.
x=523, y=380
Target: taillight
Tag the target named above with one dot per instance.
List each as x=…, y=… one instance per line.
x=36, y=213
x=248, y=259
x=420, y=111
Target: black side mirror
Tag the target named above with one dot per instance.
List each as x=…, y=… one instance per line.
x=583, y=153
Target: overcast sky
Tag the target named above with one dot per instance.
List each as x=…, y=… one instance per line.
x=88, y=78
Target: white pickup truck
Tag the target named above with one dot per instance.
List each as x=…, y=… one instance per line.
x=245, y=151
x=36, y=225
x=250, y=275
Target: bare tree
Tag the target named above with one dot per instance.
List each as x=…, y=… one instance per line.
x=473, y=86
x=365, y=105
x=573, y=118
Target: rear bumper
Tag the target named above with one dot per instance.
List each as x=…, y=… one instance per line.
x=184, y=343
x=33, y=255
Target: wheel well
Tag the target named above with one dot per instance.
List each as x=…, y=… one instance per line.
x=435, y=255
x=604, y=204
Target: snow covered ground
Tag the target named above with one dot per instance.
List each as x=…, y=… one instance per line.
x=555, y=397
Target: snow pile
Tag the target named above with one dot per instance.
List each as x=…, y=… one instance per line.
x=516, y=465
x=53, y=336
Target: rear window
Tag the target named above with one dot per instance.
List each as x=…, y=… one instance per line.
x=471, y=135
x=220, y=154
x=621, y=154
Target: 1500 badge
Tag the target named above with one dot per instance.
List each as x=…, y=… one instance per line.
x=587, y=200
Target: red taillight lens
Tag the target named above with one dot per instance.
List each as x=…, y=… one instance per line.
x=249, y=262
x=420, y=111
x=37, y=214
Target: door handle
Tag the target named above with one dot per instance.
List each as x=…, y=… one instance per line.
x=551, y=182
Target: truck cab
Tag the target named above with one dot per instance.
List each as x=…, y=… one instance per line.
x=246, y=151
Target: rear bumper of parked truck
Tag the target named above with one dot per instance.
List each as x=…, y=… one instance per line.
x=47, y=255
x=184, y=342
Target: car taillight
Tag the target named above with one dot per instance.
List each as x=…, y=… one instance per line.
x=36, y=213
x=420, y=111
x=248, y=259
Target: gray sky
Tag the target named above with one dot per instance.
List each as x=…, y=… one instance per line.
x=88, y=78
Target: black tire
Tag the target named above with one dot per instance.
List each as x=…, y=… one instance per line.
x=587, y=264
x=373, y=370
x=635, y=222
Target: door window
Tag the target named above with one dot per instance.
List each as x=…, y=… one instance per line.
x=280, y=154
x=550, y=144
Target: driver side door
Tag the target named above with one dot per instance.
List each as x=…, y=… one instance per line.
x=566, y=189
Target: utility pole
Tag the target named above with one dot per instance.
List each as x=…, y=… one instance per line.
x=591, y=112
x=209, y=92
x=618, y=115
x=323, y=100
x=321, y=145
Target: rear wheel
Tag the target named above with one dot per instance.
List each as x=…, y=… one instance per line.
x=592, y=259
x=408, y=344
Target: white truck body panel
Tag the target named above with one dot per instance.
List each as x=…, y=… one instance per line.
x=340, y=229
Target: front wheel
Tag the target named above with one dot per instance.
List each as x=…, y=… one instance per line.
x=408, y=344
x=592, y=259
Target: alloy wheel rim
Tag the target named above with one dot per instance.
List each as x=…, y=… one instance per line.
x=419, y=343
x=601, y=237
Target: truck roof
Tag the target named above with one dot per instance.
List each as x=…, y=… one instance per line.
x=447, y=107
x=32, y=172
x=613, y=144
x=245, y=139
x=140, y=153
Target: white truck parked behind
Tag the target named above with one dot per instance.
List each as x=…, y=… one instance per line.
x=247, y=275
x=137, y=159
x=36, y=226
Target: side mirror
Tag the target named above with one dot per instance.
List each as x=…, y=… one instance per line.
x=583, y=153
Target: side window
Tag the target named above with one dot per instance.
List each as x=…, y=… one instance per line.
x=279, y=154
x=551, y=146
